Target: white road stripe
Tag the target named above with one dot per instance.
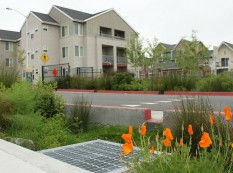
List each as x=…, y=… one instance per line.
x=131, y=105
x=145, y=103
x=164, y=101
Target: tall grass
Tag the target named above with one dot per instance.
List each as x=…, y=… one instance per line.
x=8, y=75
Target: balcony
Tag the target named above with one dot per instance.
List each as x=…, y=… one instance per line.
x=222, y=65
x=107, y=60
x=119, y=34
x=105, y=32
x=122, y=61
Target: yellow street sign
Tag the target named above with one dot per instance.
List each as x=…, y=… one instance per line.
x=44, y=57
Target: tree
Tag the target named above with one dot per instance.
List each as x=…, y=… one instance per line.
x=155, y=52
x=135, y=53
x=191, y=55
x=20, y=56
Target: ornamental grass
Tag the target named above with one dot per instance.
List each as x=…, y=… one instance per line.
x=169, y=152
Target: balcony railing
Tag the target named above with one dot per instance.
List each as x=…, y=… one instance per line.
x=107, y=60
x=122, y=60
x=222, y=64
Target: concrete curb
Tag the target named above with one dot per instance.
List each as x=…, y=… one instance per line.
x=151, y=92
x=198, y=93
x=115, y=115
x=110, y=91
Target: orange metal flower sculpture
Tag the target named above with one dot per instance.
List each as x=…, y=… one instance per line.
x=205, y=140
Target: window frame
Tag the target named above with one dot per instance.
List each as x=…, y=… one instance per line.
x=66, y=53
x=80, y=51
x=78, y=29
x=10, y=46
x=10, y=62
x=65, y=35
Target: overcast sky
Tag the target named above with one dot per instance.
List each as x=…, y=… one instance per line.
x=166, y=20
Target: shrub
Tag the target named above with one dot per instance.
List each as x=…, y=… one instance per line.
x=45, y=133
x=221, y=82
x=46, y=102
x=8, y=75
x=80, y=115
x=22, y=96
x=5, y=110
x=121, y=79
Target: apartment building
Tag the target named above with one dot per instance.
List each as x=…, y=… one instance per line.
x=67, y=41
x=9, y=41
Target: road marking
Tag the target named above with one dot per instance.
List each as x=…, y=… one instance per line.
x=164, y=101
x=188, y=98
x=131, y=105
x=145, y=103
x=175, y=100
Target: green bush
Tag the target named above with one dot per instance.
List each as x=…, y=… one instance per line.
x=8, y=75
x=195, y=112
x=80, y=115
x=120, y=79
x=221, y=82
x=45, y=133
x=22, y=96
x=46, y=101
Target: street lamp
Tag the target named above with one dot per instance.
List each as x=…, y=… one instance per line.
x=26, y=32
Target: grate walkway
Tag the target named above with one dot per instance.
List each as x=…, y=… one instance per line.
x=96, y=156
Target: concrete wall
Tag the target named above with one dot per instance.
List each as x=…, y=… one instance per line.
x=110, y=115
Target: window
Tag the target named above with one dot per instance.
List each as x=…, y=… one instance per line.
x=45, y=49
x=64, y=31
x=9, y=46
x=79, y=51
x=32, y=56
x=79, y=29
x=64, y=52
x=224, y=62
x=9, y=62
x=32, y=35
x=45, y=27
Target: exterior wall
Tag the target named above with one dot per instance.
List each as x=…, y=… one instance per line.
x=4, y=54
x=110, y=20
x=225, y=52
x=42, y=39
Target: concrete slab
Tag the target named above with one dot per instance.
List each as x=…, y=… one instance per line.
x=14, y=158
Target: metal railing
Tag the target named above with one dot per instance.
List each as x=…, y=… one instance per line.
x=107, y=59
x=122, y=60
x=222, y=64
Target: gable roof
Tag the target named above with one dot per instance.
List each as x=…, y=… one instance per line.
x=229, y=45
x=74, y=14
x=169, y=46
x=44, y=18
x=9, y=35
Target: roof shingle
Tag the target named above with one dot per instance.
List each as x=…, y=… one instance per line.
x=76, y=15
x=169, y=46
x=44, y=17
x=9, y=35
x=229, y=44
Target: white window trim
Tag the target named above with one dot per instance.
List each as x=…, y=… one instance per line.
x=10, y=62
x=79, y=51
x=45, y=27
x=10, y=46
x=67, y=51
x=79, y=25
x=67, y=31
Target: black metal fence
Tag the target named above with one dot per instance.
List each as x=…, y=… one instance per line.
x=53, y=72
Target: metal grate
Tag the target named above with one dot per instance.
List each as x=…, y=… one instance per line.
x=95, y=156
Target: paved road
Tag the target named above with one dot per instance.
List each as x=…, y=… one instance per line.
x=155, y=102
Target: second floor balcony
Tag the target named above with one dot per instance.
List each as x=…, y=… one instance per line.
x=107, y=60
x=122, y=61
x=223, y=64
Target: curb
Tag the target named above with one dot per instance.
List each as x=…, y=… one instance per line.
x=198, y=93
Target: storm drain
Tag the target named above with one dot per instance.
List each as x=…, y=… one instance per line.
x=95, y=156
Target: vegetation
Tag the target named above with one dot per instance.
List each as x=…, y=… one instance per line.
x=198, y=141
